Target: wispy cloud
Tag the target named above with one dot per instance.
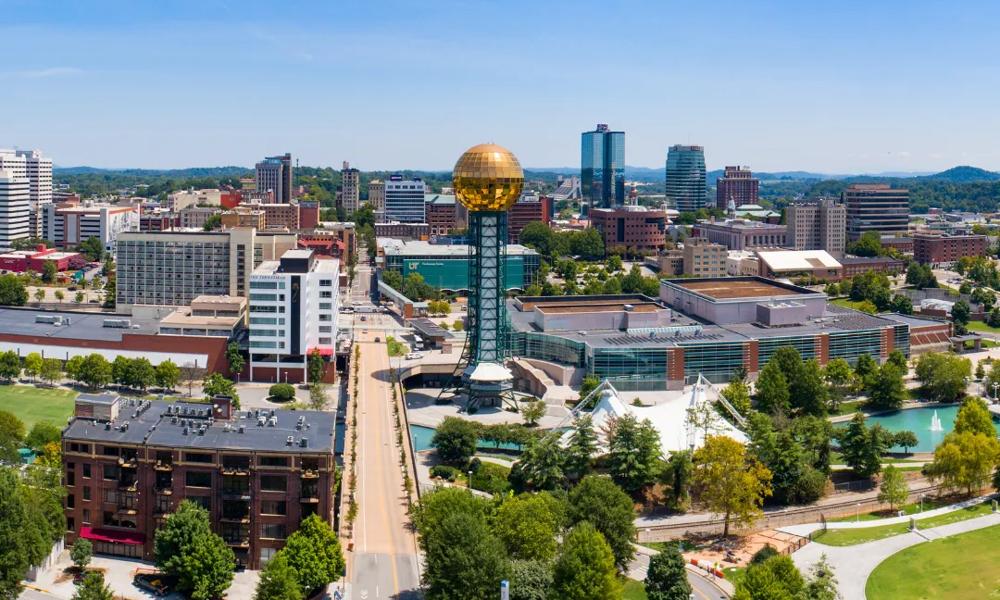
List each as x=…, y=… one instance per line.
x=45, y=73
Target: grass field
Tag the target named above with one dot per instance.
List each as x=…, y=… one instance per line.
x=633, y=590
x=960, y=567
x=983, y=327
x=910, y=509
x=848, y=303
x=32, y=404
x=851, y=537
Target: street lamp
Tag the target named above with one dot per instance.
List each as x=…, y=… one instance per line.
x=921, y=503
x=857, y=514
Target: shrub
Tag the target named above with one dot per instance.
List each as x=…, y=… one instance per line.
x=490, y=477
x=445, y=472
x=281, y=392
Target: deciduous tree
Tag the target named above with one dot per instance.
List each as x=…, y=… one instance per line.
x=965, y=460
x=186, y=547
x=93, y=588
x=313, y=551
x=729, y=481
x=455, y=440
x=893, y=489
x=598, y=500
x=666, y=578
x=168, y=375
x=528, y=525
x=586, y=567
x=943, y=377
x=278, y=581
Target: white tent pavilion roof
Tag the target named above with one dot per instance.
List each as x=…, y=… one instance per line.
x=669, y=416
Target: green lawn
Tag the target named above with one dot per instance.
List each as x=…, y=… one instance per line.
x=848, y=407
x=910, y=509
x=633, y=590
x=980, y=326
x=960, y=567
x=848, y=303
x=734, y=574
x=851, y=537
x=32, y=404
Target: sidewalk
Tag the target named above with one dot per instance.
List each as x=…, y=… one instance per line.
x=806, y=528
x=853, y=564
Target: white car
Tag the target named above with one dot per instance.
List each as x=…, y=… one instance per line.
x=413, y=356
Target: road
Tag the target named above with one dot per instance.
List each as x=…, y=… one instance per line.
x=702, y=589
x=385, y=559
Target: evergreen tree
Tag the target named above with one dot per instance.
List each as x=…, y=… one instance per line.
x=862, y=447
x=807, y=391
x=633, y=453
x=677, y=476
x=581, y=448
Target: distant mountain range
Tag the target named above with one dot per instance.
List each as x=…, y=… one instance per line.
x=959, y=174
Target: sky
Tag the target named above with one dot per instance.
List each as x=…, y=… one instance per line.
x=835, y=87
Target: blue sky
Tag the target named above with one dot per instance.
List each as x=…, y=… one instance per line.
x=835, y=86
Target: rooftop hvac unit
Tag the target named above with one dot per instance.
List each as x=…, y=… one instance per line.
x=289, y=440
x=304, y=443
x=118, y=323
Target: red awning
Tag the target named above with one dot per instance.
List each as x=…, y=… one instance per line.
x=98, y=534
x=323, y=350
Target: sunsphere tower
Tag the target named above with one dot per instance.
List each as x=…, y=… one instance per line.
x=488, y=181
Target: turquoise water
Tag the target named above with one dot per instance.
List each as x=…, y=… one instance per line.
x=918, y=420
x=422, y=440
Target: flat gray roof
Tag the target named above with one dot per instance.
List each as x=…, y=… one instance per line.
x=155, y=427
x=82, y=325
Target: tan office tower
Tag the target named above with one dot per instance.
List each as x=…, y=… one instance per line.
x=817, y=226
x=39, y=172
x=350, y=187
x=376, y=197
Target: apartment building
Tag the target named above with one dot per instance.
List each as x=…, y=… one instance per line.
x=37, y=169
x=128, y=464
x=817, y=226
x=333, y=239
x=876, y=207
x=173, y=268
x=67, y=225
x=703, y=258
x=441, y=213
x=244, y=216
x=404, y=200
x=15, y=209
x=293, y=312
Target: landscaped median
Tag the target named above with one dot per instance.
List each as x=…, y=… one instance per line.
x=844, y=536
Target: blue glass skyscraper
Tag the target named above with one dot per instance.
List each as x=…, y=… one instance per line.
x=602, y=167
x=685, y=178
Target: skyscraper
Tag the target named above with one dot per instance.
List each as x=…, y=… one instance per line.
x=14, y=200
x=602, y=167
x=876, y=207
x=376, y=198
x=37, y=169
x=404, y=200
x=737, y=186
x=685, y=177
x=274, y=174
x=350, y=187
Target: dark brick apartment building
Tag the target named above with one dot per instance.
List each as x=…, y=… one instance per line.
x=934, y=248
x=127, y=464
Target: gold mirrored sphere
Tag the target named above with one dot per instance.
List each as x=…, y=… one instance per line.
x=488, y=178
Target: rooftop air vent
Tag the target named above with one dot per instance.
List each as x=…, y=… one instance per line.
x=289, y=440
x=304, y=443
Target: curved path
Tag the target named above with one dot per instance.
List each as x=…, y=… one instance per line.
x=852, y=565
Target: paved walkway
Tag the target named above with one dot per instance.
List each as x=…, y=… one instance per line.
x=806, y=528
x=703, y=585
x=853, y=564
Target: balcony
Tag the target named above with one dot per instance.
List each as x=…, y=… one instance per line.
x=126, y=511
x=235, y=518
x=128, y=486
x=236, y=493
x=127, y=462
x=310, y=474
x=236, y=471
x=238, y=541
x=161, y=466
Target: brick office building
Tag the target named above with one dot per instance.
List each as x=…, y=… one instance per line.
x=631, y=228
x=737, y=186
x=527, y=209
x=933, y=248
x=127, y=464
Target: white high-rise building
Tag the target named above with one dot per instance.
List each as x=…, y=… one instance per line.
x=38, y=170
x=14, y=197
x=404, y=200
x=293, y=313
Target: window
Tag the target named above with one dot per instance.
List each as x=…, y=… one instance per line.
x=324, y=329
x=273, y=461
x=86, y=493
x=325, y=306
x=266, y=554
x=70, y=501
x=86, y=515
x=274, y=531
x=198, y=479
x=273, y=483
x=70, y=475
x=86, y=471
x=326, y=294
x=272, y=507
x=202, y=501
x=324, y=317
x=325, y=282
x=111, y=472
x=198, y=457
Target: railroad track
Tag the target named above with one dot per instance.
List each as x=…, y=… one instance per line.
x=771, y=520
